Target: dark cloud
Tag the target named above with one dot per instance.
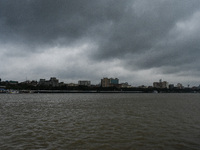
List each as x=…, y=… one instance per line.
x=143, y=26
x=50, y=22
x=131, y=35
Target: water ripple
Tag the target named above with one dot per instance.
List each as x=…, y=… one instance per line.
x=100, y=121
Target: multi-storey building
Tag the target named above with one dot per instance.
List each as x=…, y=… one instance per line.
x=72, y=84
x=84, y=83
x=114, y=81
x=52, y=82
x=171, y=86
x=179, y=86
x=161, y=84
x=109, y=82
x=42, y=82
x=105, y=82
x=125, y=85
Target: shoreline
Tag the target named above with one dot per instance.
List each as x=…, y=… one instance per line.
x=93, y=91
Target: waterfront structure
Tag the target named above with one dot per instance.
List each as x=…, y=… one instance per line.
x=161, y=84
x=84, y=83
x=109, y=82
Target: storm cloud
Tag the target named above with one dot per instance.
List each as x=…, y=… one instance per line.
x=139, y=41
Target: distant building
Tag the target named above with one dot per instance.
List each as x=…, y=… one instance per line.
x=61, y=84
x=12, y=82
x=114, y=81
x=72, y=84
x=105, y=82
x=142, y=86
x=179, y=86
x=125, y=85
x=52, y=82
x=84, y=83
x=28, y=82
x=194, y=88
x=109, y=82
x=34, y=83
x=150, y=87
x=171, y=86
x=161, y=85
x=165, y=84
x=41, y=82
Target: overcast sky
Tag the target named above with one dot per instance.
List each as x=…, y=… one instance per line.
x=137, y=41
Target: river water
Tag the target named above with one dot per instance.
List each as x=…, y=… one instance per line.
x=100, y=121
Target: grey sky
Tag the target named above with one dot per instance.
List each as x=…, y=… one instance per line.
x=138, y=41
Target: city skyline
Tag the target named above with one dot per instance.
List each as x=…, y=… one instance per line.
x=138, y=42
x=104, y=82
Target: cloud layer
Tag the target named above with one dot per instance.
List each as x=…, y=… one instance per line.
x=138, y=41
